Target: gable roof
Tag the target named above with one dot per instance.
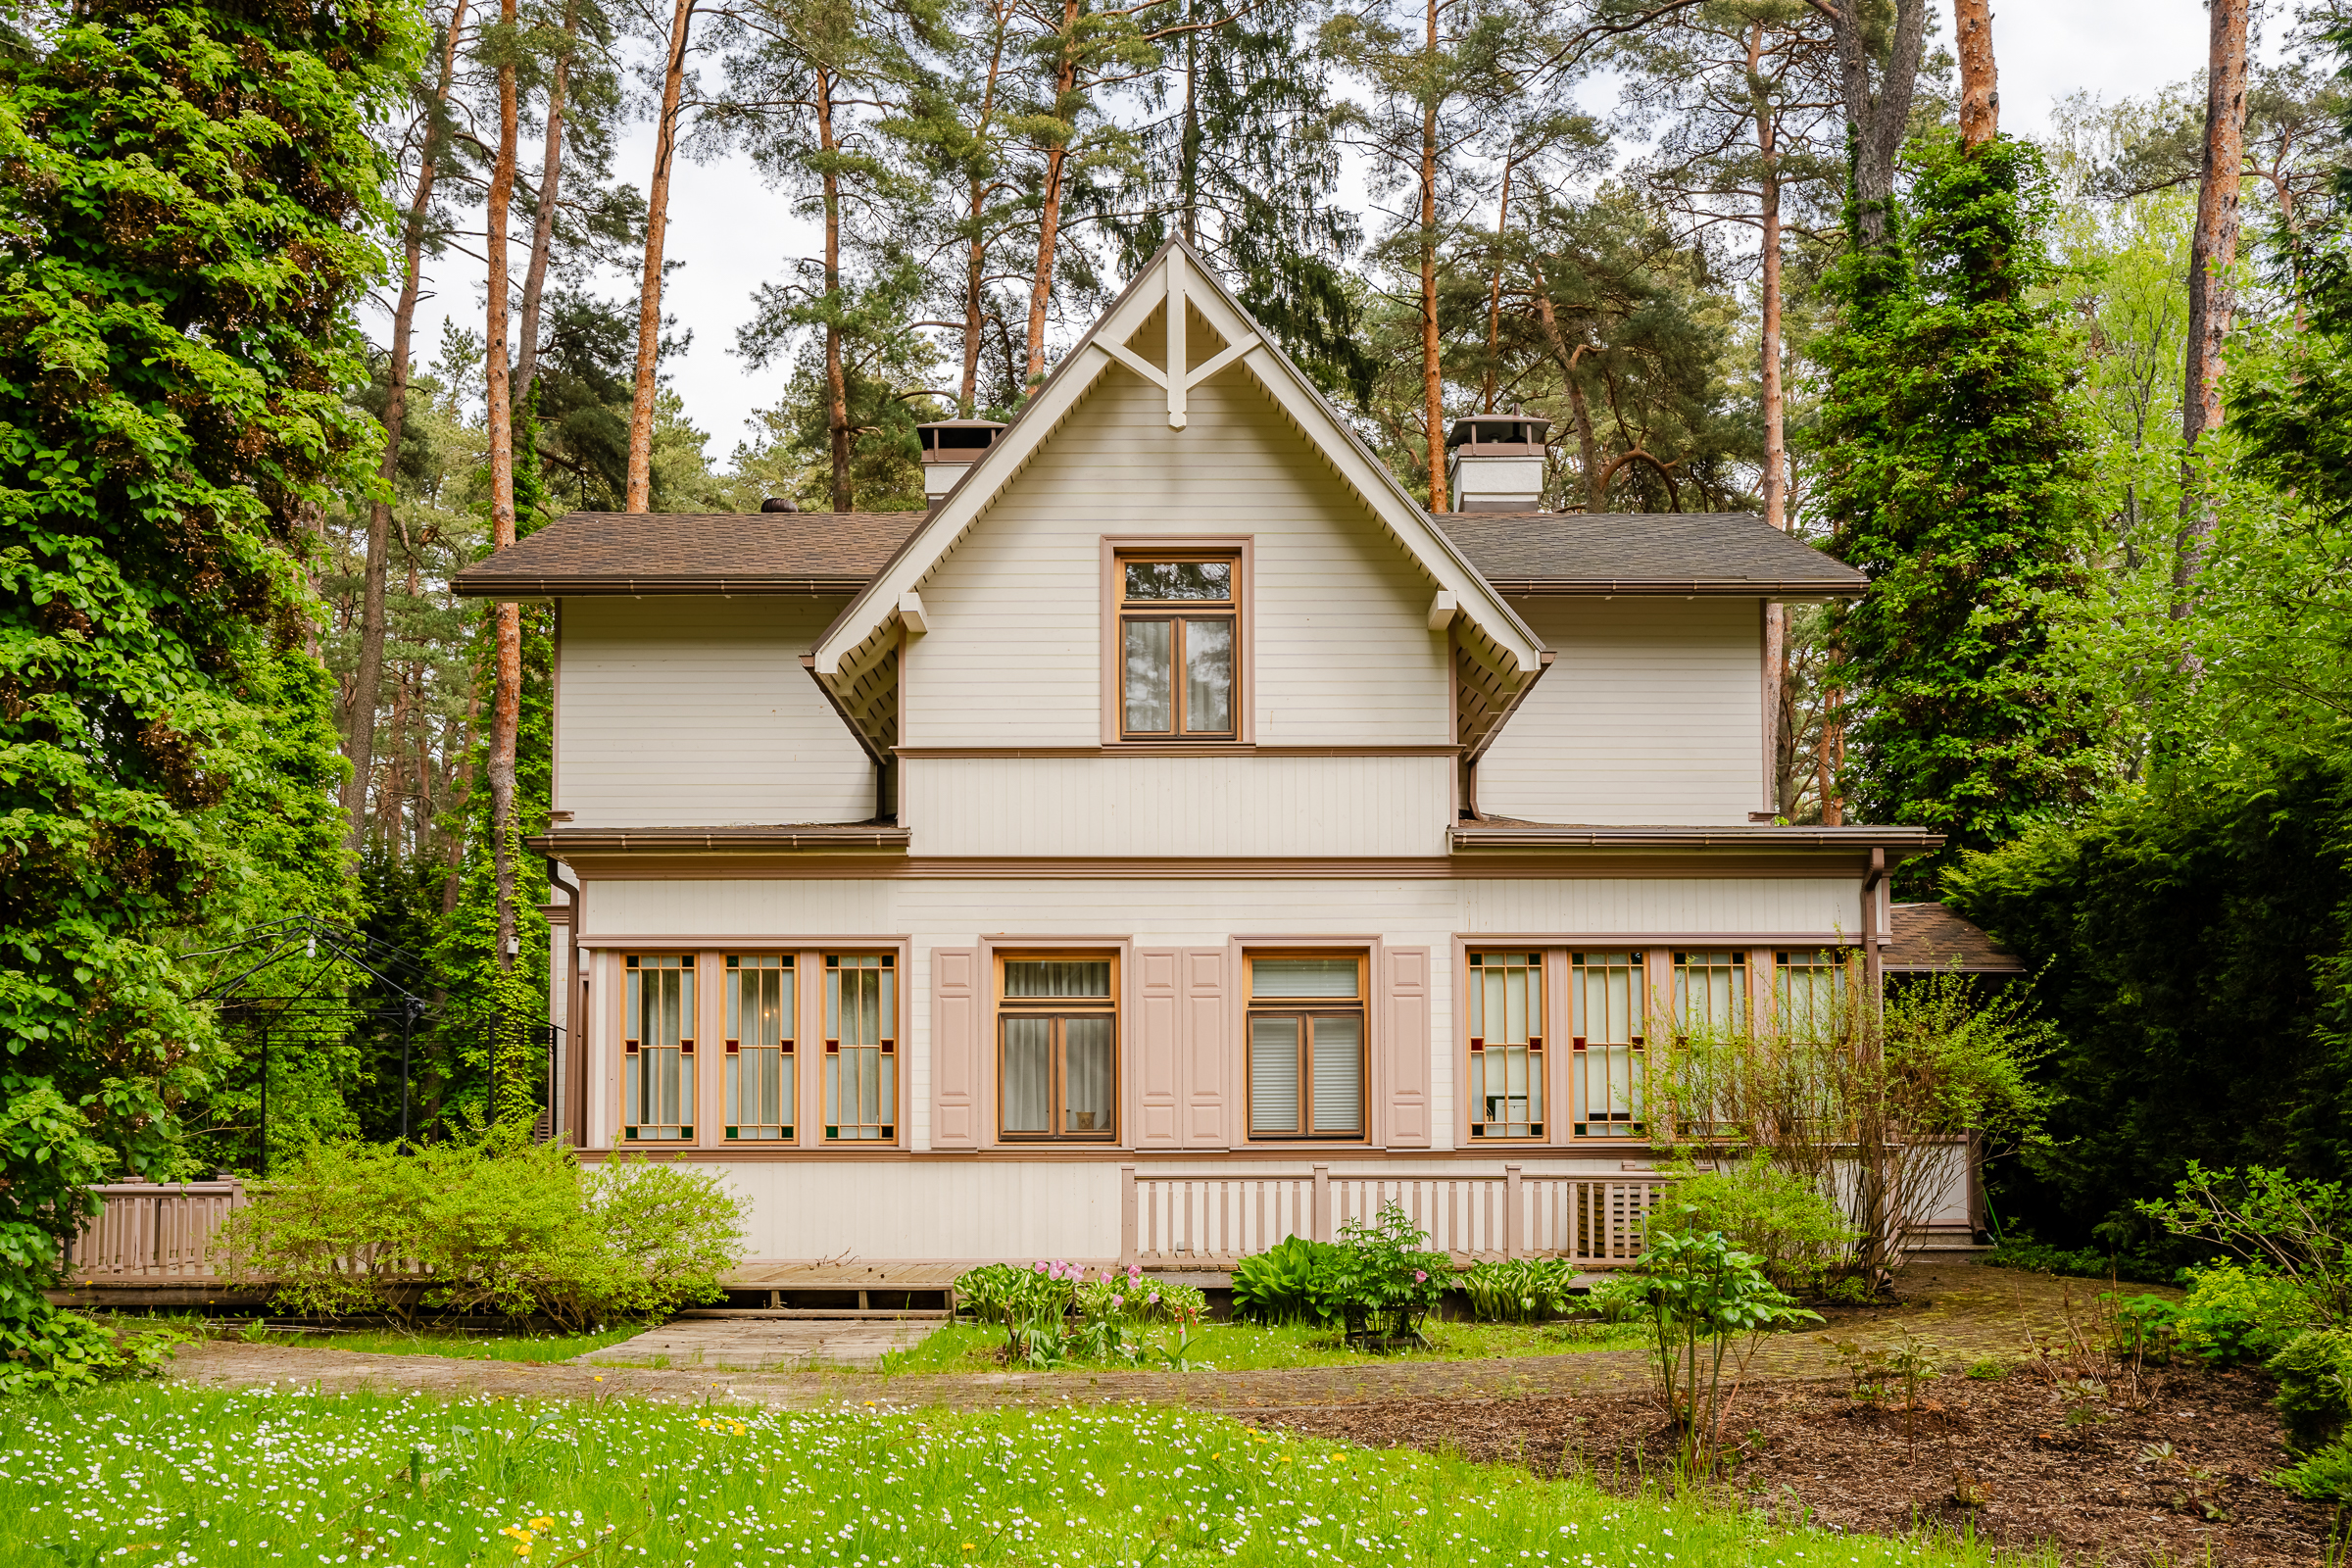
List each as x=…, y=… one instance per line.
x=1702, y=553
x=1174, y=277
x=693, y=553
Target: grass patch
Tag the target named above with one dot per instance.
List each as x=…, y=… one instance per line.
x=473, y=1344
x=184, y=1476
x=1252, y=1348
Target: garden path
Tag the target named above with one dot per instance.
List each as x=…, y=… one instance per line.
x=1964, y=1311
x=762, y=1345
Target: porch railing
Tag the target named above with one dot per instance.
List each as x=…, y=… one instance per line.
x=1211, y=1220
x=153, y=1230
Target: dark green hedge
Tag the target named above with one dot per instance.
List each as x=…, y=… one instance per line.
x=2194, y=950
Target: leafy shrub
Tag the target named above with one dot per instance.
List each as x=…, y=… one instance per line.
x=1698, y=1295
x=1278, y=1285
x=494, y=1223
x=2322, y=1477
x=1781, y=1219
x=2144, y=1327
x=1007, y=1293
x=1516, y=1290
x=1035, y=1305
x=2314, y=1374
x=1382, y=1279
x=2030, y=1256
x=2233, y=1313
x=56, y=1351
x=2279, y=1226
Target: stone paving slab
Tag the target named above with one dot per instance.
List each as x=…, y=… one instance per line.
x=762, y=1345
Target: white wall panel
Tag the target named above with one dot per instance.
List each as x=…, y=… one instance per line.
x=1651, y=713
x=1342, y=652
x=861, y=1211
x=1177, y=806
x=696, y=712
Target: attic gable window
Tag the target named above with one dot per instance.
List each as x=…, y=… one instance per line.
x=1179, y=647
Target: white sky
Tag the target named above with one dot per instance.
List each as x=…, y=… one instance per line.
x=734, y=233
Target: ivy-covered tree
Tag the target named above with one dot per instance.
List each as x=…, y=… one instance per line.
x=1954, y=470
x=188, y=209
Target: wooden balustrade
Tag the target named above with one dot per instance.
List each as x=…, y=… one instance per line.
x=153, y=1231
x=1211, y=1219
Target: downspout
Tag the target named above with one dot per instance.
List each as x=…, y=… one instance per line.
x=570, y=1118
x=1874, y=941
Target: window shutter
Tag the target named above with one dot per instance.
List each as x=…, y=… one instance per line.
x=1209, y=1098
x=1158, y=1047
x=1404, y=1048
x=959, y=1029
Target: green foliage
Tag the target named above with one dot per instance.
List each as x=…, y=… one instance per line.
x=1954, y=471
x=1055, y=1312
x=2025, y=1253
x=2193, y=951
x=60, y=1352
x=1784, y=1219
x=1517, y=1289
x=2233, y=1314
x=2291, y=1229
x=493, y=1223
x=1381, y=1280
x=1278, y=1285
x=1008, y=1295
x=1697, y=1295
x=2313, y=1396
x=189, y=207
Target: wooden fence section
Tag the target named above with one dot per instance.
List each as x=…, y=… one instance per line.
x=1213, y=1220
x=153, y=1231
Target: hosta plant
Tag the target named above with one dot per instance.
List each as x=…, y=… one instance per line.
x=1517, y=1289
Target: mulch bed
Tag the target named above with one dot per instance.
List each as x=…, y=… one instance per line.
x=1998, y=1457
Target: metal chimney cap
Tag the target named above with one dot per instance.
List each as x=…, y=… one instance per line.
x=1498, y=429
x=779, y=503
x=957, y=440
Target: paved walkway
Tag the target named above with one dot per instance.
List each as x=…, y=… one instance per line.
x=762, y=1345
x=1959, y=1313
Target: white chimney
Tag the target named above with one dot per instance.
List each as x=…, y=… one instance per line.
x=951, y=446
x=1494, y=463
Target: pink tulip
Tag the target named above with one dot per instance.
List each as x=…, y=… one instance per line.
x=1118, y=1300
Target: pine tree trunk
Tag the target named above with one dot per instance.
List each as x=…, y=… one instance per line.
x=1979, y=81
x=1878, y=118
x=837, y=392
x=1587, y=446
x=649, y=290
x=1778, y=752
x=976, y=269
x=2212, y=300
x=1049, y=227
x=543, y=229
x=505, y=704
x=1433, y=386
x=1503, y=224
x=366, y=685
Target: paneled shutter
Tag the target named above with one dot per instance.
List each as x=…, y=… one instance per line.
x=1209, y=1098
x=959, y=1036
x=1156, y=1048
x=1405, y=1047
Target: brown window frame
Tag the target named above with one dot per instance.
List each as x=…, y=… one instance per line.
x=1539, y=1059
x=1175, y=611
x=887, y=1133
x=1307, y=1009
x=1635, y=1121
x=632, y=1054
x=730, y=1064
x=1059, y=1009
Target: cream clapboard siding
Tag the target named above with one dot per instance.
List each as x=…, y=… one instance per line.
x=1343, y=652
x=696, y=712
x=1177, y=806
x=1651, y=713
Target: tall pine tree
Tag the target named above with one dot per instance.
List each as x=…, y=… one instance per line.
x=1955, y=472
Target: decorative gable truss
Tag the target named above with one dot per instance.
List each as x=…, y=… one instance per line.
x=1497, y=658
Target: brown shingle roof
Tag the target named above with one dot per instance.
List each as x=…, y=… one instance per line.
x=1639, y=553
x=830, y=552
x=693, y=553
x=1928, y=937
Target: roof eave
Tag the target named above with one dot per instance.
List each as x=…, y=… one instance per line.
x=1687, y=588
x=1900, y=843
x=826, y=837
x=467, y=585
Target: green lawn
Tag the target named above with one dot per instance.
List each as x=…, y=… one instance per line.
x=1241, y=1347
x=169, y=1474
x=469, y=1343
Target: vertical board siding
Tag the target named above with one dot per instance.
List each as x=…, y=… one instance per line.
x=1406, y=1046
x=960, y=1035
x=1341, y=649
x=696, y=712
x=1653, y=714
x=1177, y=806
x=1157, y=1054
